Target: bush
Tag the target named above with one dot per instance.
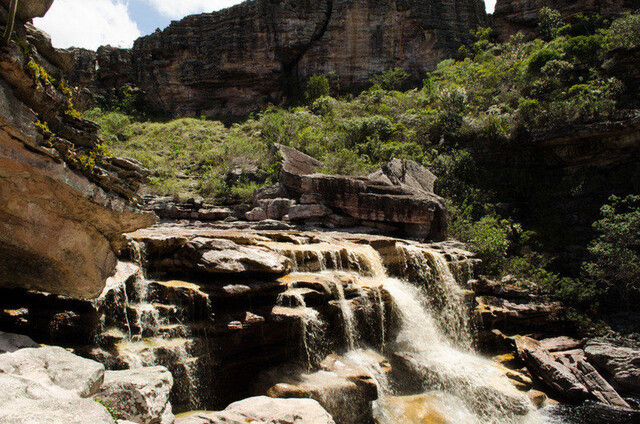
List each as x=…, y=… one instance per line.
x=318, y=86
x=585, y=49
x=615, y=252
x=346, y=162
x=624, y=32
x=359, y=130
x=488, y=238
x=391, y=79
x=540, y=58
x=549, y=23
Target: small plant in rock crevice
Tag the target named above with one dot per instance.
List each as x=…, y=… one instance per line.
x=112, y=411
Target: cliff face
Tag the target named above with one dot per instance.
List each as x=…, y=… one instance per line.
x=513, y=16
x=63, y=204
x=236, y=60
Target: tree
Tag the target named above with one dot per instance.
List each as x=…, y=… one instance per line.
x=391, y=79
x=549, y=23
x=615, y=252
x=318, y=86
x=13, y=8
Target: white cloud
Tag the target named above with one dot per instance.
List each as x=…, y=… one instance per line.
x=491, y=5
x=177, y=9
x=89, y=23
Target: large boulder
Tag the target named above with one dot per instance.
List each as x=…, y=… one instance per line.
x=50, y=385
x=262, y=409
x=54, y=368
x=140, y=395
x=343, y=388
x=54, y=411
x=619, y=360
x=29, y=9
x=400, y=194
x=552, y=372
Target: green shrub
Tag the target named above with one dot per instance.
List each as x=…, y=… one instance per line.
x=359, y=130
x=488, y=238
x=549, y=23
x=346, y=162
x=585, y=49
x=624, y=32
x=317, y=86
x=615, y=252
x=540, y=58
x=391, y=79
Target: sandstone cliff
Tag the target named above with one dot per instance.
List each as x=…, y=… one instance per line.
x=64, y=204
x=239, y=59
x=513, y=16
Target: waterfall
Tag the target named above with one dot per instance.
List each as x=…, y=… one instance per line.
x=434, y=342
x=313, y=327
x=151, y=337
x=415, y=314
x=446, y=299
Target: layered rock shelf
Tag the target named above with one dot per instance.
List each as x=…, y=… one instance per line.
x=63, y=204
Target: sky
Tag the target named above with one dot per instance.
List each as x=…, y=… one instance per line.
x=93, y=23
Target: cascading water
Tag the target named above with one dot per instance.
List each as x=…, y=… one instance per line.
x=313, y=326
x=434, y=339
x=146, y=334
x=446, y=299
x=419, y=320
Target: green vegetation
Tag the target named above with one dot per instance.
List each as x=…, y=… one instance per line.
x=318, y=86
x=112, y=411
x=497, y=97
x=614, y=264
x=193, y=156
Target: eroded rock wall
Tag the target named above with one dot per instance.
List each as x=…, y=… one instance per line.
x=63, y=204
x=234, y=61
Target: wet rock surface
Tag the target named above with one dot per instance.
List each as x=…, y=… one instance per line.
x=218, y=330
x=343, y=388
x=11, y=342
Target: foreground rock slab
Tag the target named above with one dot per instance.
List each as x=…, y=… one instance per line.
x=620, y=361
x=139, y=395
x=55, y=368
x=263, y=410
x=51, y=385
